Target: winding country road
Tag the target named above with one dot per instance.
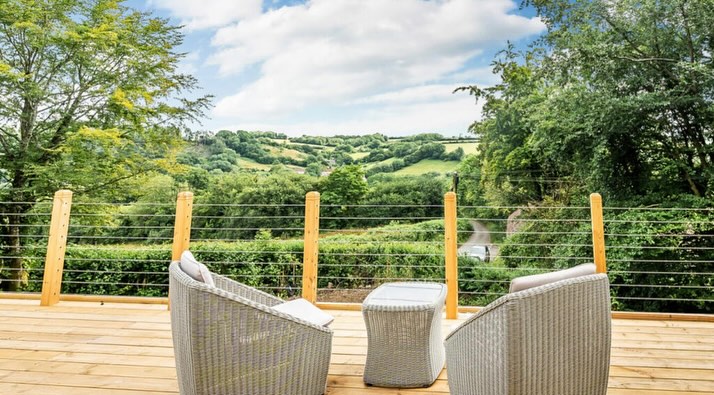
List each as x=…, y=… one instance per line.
x=480, y=236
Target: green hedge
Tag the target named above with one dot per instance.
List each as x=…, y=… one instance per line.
x=116, y=269
x=141, y=270
x=666, y=255
x=275, y=265
x=659, y=259
x=647, y=273
x=480, y=283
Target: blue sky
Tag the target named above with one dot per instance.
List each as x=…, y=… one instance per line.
x=325, y=67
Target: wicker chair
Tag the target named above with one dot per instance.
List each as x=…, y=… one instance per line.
x=552, y=339
x=228, y=340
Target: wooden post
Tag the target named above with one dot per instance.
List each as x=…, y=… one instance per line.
x=310, y=246
x=598, y=232
x=182, y=224
x=450, y=245
x=56, y=246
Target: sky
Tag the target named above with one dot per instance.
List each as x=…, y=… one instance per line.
x=327, y=67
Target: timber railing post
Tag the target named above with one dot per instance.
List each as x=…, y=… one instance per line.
x=310, y=246
x=56, y=246
x=598, y=232
x=451, y=260
x=182, y=224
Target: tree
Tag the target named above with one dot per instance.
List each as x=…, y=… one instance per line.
x=650, y=80
x=404, y=197
x=91, y=96
x=314, y=169
x=455, y=155
x=346, y=185
x=615, y=97
x=235, y=206
x=506, y=161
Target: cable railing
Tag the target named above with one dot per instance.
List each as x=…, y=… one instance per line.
x=123, y=249
x=24, y=230
x=658, y=259
x=363, y=246
x=522, y=241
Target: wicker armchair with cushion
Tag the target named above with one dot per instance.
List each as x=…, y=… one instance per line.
x=550, y=339
x=229, y=339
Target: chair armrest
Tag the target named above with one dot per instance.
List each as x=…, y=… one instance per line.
x=481, y=315
x=476, y=351
x=234, y=303
x=245, y=291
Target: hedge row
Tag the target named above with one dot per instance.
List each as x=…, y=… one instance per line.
x=658, y=262
x=274, y=265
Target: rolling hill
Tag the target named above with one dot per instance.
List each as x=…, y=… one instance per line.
x=260, y=151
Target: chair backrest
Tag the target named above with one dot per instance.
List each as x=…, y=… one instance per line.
x=559, y=337
x=535, y=280
x=229, y=340
x=183, y=299
x=549, y=339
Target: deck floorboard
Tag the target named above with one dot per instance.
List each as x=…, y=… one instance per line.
x=125, y=349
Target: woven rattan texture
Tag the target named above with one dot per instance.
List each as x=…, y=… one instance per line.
x=548, y=340
x=405, y=346
x=227, y=340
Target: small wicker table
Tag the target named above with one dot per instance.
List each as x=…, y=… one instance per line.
x=405, y=347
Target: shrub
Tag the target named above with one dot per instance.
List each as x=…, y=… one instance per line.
x=659, y=259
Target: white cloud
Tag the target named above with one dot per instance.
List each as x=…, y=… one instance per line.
x=481, y=76
x=417, y=94
x=329, y=52
x=209, y=13
x=450, y=117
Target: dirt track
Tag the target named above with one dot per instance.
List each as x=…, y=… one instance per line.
x=480, y=236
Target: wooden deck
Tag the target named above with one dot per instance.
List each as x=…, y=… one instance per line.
x=80, y=348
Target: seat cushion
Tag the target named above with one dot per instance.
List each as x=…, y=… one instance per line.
x=304, y=310
x=195, y=269
x=525, y=282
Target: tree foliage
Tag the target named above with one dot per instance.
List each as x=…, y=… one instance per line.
x=91, y=96
x=615, y=97
x=346, y=185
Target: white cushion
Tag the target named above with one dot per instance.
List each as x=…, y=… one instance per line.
x=303, y=309
x=525, y=282
x=195, y=269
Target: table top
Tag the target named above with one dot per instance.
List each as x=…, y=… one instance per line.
x=406, y=294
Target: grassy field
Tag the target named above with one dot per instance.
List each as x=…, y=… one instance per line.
x=384, y=162
x=249, y=164
x=321, y=147
x=429, y=165
x=469, y=148
x=358, y=155
x=289, y=153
